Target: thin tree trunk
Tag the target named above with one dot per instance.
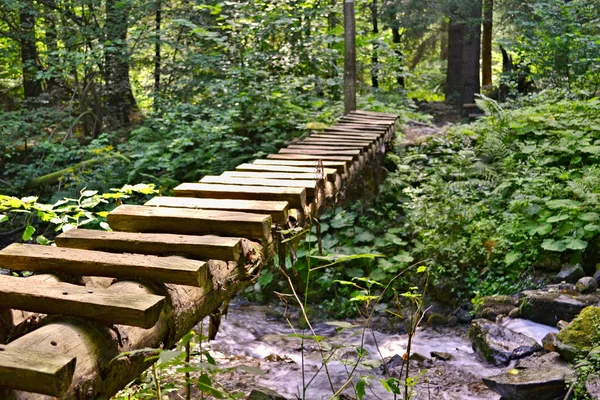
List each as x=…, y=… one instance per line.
x=32, y=87
x=349, y=57
x=118, y=85
x=374, y=57
x=486, y=48
x=157, y=54
x=399, y=56
x=444, y=40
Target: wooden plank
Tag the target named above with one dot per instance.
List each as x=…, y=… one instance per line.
x=296, y=197
x=346, y=138
x=31, y=257
x=272, y=175
x=129, y=218
x=140, y=310
x=338, y=142
x=278, y=210
x=311, y=157
x=310, y=185
x=197, y=247
x=366, y=135
x=340, y=166
x=36, y=372
x=376, y=114
x=330, y=173
x=327, y=146
x=353, y=153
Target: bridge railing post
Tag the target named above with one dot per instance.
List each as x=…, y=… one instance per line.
x=349, y=57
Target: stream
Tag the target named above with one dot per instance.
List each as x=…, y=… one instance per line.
x=257, y=336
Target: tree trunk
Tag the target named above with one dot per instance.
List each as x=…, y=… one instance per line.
x=399, y=56
x=157, y=55
x=444, y=40
x=32, y=87
x=349, y=57
x=117, y=83
x=374, y=57
x=486, y=47
x=464, y=41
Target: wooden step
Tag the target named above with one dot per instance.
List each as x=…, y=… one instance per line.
x=278, y=210
x=145, y=219
x=376, y=114
x=352, y=135
x=340, y=166
x=79, y=301
x=310, y=185
x=330, y=173
x=376, y=141
x=365, y=121
x=273, y=175
x=359, y=126
x=296, y=197
x=198, y=247
x=37, y=258
x=311, y=157
x=327, y=146
x=354, y=132
x=352, y=153
x=36, y=372
x=338, y=142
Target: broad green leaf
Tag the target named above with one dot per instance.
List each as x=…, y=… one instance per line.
x=554, y=245
x=563, y=203
x=3, y=217
x=89, y=193
x=557, y=218
x=576, y=244
x=341, y=324
x=542, y=230
x=28, y=233
x=592, y=228
x=589, y=217
x=512, y=257
x=360, y=389
x=421, y=269
x=205, y=385
x=167, y=355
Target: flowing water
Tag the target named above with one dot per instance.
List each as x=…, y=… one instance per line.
x=251, y=335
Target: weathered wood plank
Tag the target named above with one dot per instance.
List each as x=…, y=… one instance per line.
x=330, y=173
x=278, y=210
x=31, y=257
x=353, y=134
x=36, y=372
x=197, y=247
x=310, y=185
x=338, y=142
x=376, y=113
x=327, y=146
x=64, y=298
x=311, y=157
x=353, y=153
x=273, y=175
x=340, y=166
x=365, y=120
x=296, y=197
x=129, y=218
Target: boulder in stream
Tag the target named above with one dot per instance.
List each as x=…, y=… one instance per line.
x=586, y=285
x=499, y=345
x=537, y=377
x=592, y=385
x=579, y=336
x=493, y=306
x=554, y=303
x=569, y=273
x=264, y=394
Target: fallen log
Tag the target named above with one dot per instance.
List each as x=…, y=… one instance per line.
x=95, y=345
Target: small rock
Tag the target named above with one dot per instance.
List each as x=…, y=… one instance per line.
x=549, y=342
x=569, y=273
x=515, y=313
x=443, y=290
x=441, y=355
x=452, y=321
x=394, y=362
x=539, y=378
x=417, y=357
x=586, y=285
x=463, y=313
x=562, y=325
x=264, y=394
x=597, y=277
x=579, y=337
x=499, y=345
x=436, y=319
x=493, y=306
x=592, y=385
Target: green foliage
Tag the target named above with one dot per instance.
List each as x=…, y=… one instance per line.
x=89, y=209
x=559, y=42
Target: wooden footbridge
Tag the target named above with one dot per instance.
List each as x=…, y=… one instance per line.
x=167, y=264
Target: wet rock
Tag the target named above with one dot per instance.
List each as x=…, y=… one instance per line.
x=436, y=319
x=264, y=394
x=569, y=273
x=463, y=313
x=578, y=338
x=539, y=378
x=586, y=285
x=597, y=277
x=549, y=342
x=515, y=313
x=499, y=345
x=394, y=362
x=443, y=290
x=418, y=357
x=562, y=325
x=441, y=355
x=554, y=303
x=592, y=385
x=494, y=306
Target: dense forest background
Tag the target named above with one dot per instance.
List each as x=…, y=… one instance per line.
x=98, y=94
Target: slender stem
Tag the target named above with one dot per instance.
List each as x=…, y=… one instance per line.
x=188, y=383
x=156, y=382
